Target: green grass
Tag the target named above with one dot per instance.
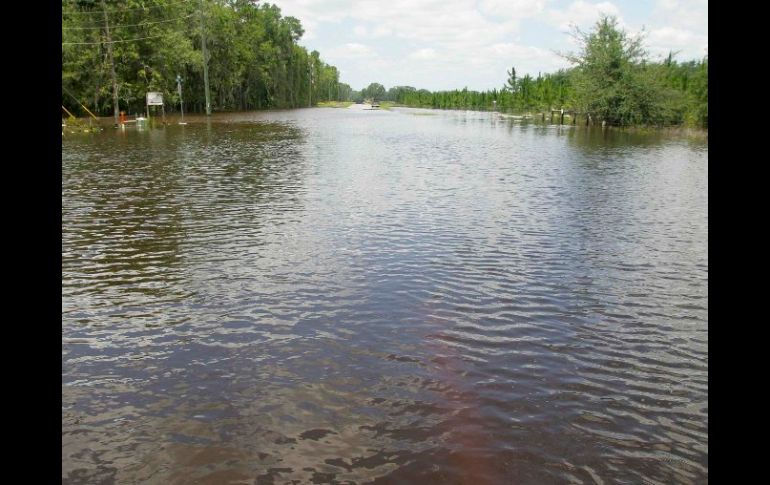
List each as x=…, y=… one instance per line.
x=334, y=104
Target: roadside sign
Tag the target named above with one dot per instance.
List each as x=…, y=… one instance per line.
x=154, y=99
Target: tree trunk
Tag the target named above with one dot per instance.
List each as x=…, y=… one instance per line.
x=115, y=107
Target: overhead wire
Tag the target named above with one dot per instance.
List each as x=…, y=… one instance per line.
x=100, y=12
x=113, y=41
x=131, y=25
x=121, y=41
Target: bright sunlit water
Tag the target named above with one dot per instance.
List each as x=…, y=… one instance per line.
x=405, y=296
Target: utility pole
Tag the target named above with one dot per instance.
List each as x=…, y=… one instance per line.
x=115, y=107
x=205, y=63
x=181, y=103
x=310, y=85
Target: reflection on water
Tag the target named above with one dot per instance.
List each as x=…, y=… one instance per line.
x=350, y=296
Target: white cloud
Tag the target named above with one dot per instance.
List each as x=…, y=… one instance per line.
x=689, y=45
x=447, y=44
x=351, y=50
x=679, y=25
x=313, y=13
x=674, y=37
x=512, y=8
x=427, y=53
x=582, y=14
x=684, y=14
x=381, y=32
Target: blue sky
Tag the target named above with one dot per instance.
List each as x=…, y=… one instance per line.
x=451, y=44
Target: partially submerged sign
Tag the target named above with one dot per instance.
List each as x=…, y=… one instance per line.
x=154, y=99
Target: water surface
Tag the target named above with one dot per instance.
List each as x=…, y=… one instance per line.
x=405, y=296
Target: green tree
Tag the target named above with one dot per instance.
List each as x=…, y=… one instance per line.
x=374, y=91
x=612, y=79
x=254, y=60
x=510, y=84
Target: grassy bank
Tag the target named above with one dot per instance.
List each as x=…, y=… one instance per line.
x=334, y=104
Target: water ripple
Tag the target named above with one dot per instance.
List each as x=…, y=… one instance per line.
x=375, y=297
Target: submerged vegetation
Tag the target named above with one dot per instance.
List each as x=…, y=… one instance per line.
x=612, y=81
x=254, y=60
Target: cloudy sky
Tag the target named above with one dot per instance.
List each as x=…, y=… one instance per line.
x=448, y=44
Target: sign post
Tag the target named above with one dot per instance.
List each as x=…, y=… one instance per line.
x=155, y=98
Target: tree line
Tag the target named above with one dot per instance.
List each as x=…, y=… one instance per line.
x=254, y=61
x=612, y=80
x=123, y=49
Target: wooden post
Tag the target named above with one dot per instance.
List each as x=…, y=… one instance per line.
x=551, y=116
x=115, y=107
x=181, y=102
x=561, y=119
x=205, y=63
x=574, y=117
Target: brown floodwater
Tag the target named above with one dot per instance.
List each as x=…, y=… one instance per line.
x=358, y=296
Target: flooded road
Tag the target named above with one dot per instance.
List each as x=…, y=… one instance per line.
x=383, y=296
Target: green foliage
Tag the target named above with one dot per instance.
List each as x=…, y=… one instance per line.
x=609, y=80
x=544, y=92
x=374, y=91
x=254, y=62
x=344, y=92
x=253, y=57
x=616, y=84
x=510, y=85
x=612, y=81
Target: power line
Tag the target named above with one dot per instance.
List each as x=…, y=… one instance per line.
x=78, y=102
x=130, y=25
x=112, y=41
x=75, y=12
